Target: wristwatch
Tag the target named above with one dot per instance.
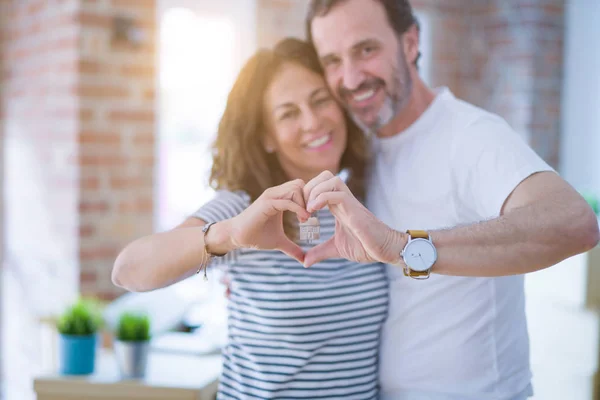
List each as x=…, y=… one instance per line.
x=419, y=255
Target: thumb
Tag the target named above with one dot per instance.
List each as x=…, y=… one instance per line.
x=321, y=252
x=291, y=249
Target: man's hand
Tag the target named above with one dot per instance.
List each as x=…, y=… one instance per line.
x=359, y=235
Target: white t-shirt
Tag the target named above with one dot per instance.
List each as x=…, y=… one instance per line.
x=452, y=338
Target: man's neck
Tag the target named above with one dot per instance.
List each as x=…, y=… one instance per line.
x=420, y=99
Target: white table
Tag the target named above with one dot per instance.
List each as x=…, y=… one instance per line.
x=169, y=376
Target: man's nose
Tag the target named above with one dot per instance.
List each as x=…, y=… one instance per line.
x=353, y=76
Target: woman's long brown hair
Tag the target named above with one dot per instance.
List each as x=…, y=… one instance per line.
x=240, y=161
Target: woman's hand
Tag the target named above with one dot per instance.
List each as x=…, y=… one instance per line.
x=260, y=226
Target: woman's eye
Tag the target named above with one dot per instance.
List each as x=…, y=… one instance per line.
x=287, y=115
x=322, y=100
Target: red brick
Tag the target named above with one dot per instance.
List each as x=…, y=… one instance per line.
x=97, y=137
x=35, y=7
x=146, y=161
x=102, y=160
x=132, y=116
x=103, y=91
x=144, y=139
x=98, y=253
x=149, y=94
x=554, y=9
x=86, y=277
x=90, y=67
x=132, y=182
x=140, y=4
x=86, y=114
x=104, y=295
x=137, y=206
x=86, y=231
x=90, y=183
x=141, y=71
x=93, y=207
x=90, y=19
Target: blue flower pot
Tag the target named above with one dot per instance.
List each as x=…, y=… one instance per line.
x=77, y=354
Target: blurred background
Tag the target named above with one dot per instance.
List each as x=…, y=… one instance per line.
x=108, y=109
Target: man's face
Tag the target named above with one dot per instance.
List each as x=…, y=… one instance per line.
x=364, y=60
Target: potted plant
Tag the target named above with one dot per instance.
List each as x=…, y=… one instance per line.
x=78, y=327
x=132, y=344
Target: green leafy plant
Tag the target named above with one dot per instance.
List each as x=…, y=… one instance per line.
x=133, y=327
x=593, y=201
x=82, y=318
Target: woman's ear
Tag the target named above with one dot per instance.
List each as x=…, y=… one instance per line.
x=269, y=144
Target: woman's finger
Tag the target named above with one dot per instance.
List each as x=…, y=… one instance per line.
x=291, y=249
x=288, y=205
x=320, y=252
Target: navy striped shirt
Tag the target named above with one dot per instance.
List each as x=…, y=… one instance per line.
x=297, y=333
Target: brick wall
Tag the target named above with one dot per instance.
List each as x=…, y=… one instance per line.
x=116, y=137
x=77, y=119
x=40, y=115
x=79, y=132
x=512, y=64
x=39, y=118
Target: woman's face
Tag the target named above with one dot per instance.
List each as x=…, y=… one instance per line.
x=306, y=126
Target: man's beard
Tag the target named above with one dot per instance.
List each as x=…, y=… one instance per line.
x=395, y=101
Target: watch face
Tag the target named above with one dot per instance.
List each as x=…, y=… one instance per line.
x=420, y=255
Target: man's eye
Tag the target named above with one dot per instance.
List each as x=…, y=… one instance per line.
x=331, y=63
x=368, y=50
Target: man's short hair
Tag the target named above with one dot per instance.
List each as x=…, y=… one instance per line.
x=399, y=14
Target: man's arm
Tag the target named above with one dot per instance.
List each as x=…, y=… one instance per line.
x=543, y=222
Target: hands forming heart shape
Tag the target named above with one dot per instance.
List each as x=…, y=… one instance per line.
x=359, y=235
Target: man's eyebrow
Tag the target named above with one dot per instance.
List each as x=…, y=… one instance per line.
x=328, y=57
x=363, y=43
x=355, y=46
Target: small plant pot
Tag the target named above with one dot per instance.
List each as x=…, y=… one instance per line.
x=132, y=358
x=77, y=354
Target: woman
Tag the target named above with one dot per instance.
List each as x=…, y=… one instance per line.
x=293, y=332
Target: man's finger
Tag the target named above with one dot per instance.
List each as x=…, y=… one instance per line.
x=310, y=185
x=334, y=184
x=323, y=251
x=326, y=199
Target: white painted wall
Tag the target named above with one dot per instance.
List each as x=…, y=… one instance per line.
x=580, y=147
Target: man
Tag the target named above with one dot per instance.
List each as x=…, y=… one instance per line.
x=486, y=207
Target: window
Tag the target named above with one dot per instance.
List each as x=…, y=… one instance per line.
x=202, y=46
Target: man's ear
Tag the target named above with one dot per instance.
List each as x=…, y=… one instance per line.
x=410, y=44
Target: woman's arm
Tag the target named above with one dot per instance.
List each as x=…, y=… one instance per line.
x=162, y=259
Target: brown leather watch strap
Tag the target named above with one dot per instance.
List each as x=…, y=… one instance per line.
x=414, y=273
x=418, y=234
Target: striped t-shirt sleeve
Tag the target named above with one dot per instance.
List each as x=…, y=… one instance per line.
x=224, y=205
